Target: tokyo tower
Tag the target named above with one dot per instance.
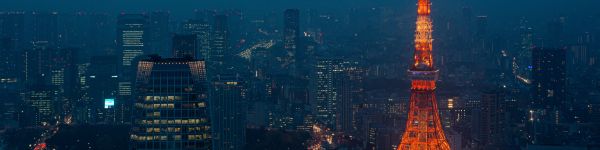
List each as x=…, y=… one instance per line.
x=423, y=127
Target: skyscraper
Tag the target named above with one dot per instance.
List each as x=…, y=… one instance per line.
x=549, y=106
x=99, y=39
x=493, y=118
x=12, y=26
x=185, y=46
x=228, y=112
x=158, y=33
x=131, y=43
x=202, y=29
x=9, y=107
x=41, y=98
x=324, y=93
x=219, y=48
x=522, y=63
x=349, y=87
x=130, y=36
x=55, y=70
x=46, y=28
x=73, y=30
x=482, y=25
x=549, y=81
x=337, y=83
x=555, y=35
x=8, y=62
x=36, y=68
x=62, y=77
x=11, y=41
x=291, y=37
x=171, y=105
x=103, y=81
x=482, y=44
x=423, y=127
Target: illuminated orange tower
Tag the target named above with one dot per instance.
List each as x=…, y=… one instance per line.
x=423, y=127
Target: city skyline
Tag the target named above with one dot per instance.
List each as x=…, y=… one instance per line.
x=234, y=75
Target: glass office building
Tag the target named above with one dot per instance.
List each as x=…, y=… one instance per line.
x=171, y=109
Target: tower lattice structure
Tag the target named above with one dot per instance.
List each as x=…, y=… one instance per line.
x=423, y=127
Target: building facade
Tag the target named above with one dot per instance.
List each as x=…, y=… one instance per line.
x=228, y=108
x=219, y=43
x=185, y=46
x=291, y=38
x=549, y=106
x=337, y=83
x=130, y=36
x=171, y=110
x=202, y=29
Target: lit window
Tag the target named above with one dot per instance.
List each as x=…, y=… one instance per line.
x=201, y=105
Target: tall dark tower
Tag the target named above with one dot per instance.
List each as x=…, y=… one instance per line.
x=291, y=36
x=423, y=127
x=556, y=34
x=228, y=112
x=8, y=61
x=131, y=40
x=130, y=36
x=46, y=28
x=549, y=78
x=202, y=30
x=12, y=26
x=185, y=46
x=219, y=44
x=103, y=79
x=157, y=33
x=548, y=86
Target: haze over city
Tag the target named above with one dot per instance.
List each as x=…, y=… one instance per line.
x=300, y=74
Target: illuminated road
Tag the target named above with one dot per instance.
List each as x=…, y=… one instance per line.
x=50, y=131
x=321, y=137
x=523, y=79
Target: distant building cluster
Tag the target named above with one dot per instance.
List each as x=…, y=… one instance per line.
x=232, y=80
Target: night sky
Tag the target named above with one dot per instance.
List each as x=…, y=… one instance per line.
x=490, y=7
